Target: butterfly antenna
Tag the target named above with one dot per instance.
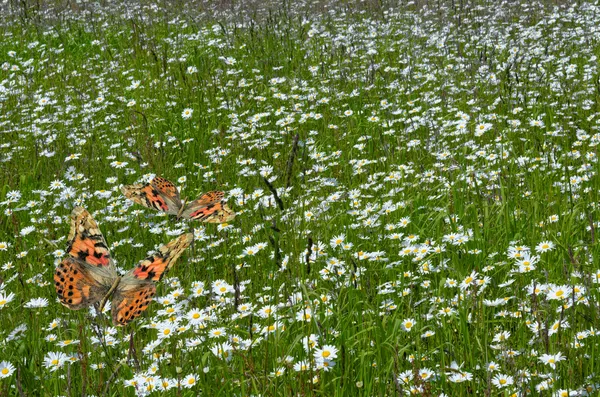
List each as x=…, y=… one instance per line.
x=109, y=293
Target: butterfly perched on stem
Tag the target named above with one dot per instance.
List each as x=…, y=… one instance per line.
x=88, y=275
x=162, y=195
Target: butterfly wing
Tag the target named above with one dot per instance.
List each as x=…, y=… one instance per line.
x=85, y=241
x=80, y=284
x=136, y=289
x=210, y=207
x=159, y=194
x=131, y=298
x=155, y=266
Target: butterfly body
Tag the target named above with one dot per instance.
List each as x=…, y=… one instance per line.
x=88, y=275
x=163, y=196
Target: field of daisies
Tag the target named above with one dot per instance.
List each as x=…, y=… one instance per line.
x=416, y=188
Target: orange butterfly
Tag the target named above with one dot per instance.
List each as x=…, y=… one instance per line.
x=88, y=275
x=162, y=195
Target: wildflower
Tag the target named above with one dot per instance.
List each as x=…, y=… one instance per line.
x=67, y=342
x=27, y=230
x=427, y=334
x=55, y=360
x=544, y=246
x=278, y=372
x=502, y=381
x=187, y=113
x=501, y=336
x=73, y=156
x=217, y=332
x=267, y=311
x=426, y=374
x=558, y=292
x=165, y=330
x=189, y=381
x=408, y=324
x=223, y=351
x=6, y=369
x=5, y=299
x=36, y=303
x=301, y=366
x=468, y=280
x=119, y=164
x=327, y=352
x=309, y=342
x=492, y=366
x=552, y=359
x=337, y=241
x=304, y=315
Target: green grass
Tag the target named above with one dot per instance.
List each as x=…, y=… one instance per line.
x=386, y=105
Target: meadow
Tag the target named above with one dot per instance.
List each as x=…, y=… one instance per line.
x=416, y=189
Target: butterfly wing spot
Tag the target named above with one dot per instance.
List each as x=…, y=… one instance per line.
x=165, y=186
x=131, y=304
x=75, y=287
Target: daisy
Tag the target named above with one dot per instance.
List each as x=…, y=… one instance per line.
x=55, y=360
x=337, y=241
x=217, y=332
x=468, y=280
x=165, y=330
x=36, y=303
x=5, y=299
x=302, y=366
x=304, y=315
x=195, y=317
x=426, y=374
x=223, y=351
x=309, y=342
x=492, y=366
x=502, y=381
x=544, y=246
x=408, y=324
x=552, y=359
x=187, y=113
x=67, y=342
x=267, y=311
x=6, y=369
x=189, y=381
x=327, y=352
x=558, y=292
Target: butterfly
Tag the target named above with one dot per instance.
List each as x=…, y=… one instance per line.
x=88, y=275
x=162, y=195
